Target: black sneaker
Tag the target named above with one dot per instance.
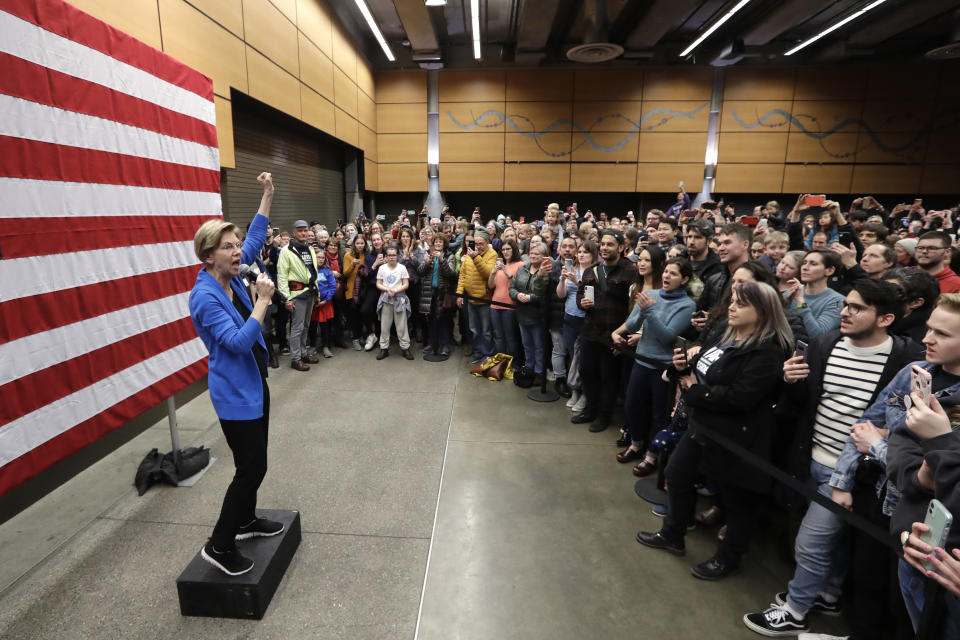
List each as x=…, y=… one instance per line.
x=819, y=604
x=713, y=569
x=260, y=528
x=600, y=424
x=583, y=418
x=230, y=562
x=383, y=354
x=657, y=541
x=406, y=354
x=775, y=621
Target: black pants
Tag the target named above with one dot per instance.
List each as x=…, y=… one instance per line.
x=645, y=404
x=600, y=372
x=878, y=612
x=280, y=322
x=248, y=442
x=739, y=504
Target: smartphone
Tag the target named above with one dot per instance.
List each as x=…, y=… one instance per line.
x=814, y=201
x=846, y=238
x=683, y=344
x=522, y=219
x=762, y=224
x=688, y=213
x=917, y=202
x=750, y=221
x=381, y=218
x=801, y=349
x=568, y=263
x=472, y=244
x=588, y=292
x=921, y=382
x=939, y=519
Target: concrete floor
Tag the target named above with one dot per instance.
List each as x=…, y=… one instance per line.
x=530, y=534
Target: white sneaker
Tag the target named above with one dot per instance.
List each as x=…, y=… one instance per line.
x=574, y=398
x=581, y=404
x=820, y=636
x=327, y=353
x=357, y=345
x=371, y=342
x=551, y=376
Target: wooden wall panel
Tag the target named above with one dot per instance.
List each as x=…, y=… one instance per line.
x=748, y=178
x=879, y=178
x=401, y=118
x=763, y=115
x=365, y=78
x=939, y=178
x=366, y=110
x=948, y=84
x=752, y=147
x=603, y=177
x=584, y=151
x=814, y=178
x=902, y=83
x=344, y=55
x=676, y=116
x=314, y=21
x=229, y=13
x=270, y=32
x=539, y=85
x=663, y=176
x=139, y=18
x=347, y=127
x=370, y=175
x=409, y=86
x=401, y=147
x=344, y=92
x=471, y=176
x=272, y=85
x=316, y=69
x=368, y=142
x=472, y=147
x=225, y=132
x=550, y=147
x=672, y=147
x=608, y=116
x=471, y=116
x=677, y=84
x=402, y=177
x=195, y=40
x=317, y=110
x=536, y=176
x=820, y=116
x=749, y=83
x=943, y=150
x=898, y=116
x=608, y=84
x=834, y=83
x=472, y=86
x=840, y=147
x=897, y=148
x=539, y=116
x=287, y=8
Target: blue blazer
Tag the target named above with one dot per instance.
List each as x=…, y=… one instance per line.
x=234, y=378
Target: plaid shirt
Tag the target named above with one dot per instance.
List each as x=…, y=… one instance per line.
x=610, y=307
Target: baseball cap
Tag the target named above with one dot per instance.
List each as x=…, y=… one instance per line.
x=300, y=223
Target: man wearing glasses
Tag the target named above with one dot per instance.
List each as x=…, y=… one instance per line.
x=933, y=256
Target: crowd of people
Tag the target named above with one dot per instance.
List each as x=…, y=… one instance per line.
x=794, y=334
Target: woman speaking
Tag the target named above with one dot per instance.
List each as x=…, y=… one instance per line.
x=229, y=325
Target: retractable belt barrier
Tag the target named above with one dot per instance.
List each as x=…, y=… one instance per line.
x=792, y=482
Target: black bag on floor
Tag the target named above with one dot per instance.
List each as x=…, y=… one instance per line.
x=155, y=467
x=192, y=460
x=523, y=377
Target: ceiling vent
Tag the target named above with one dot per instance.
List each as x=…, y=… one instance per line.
x=596, y=48
x=948, y=51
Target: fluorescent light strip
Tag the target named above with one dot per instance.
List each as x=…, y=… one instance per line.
x=716, y=25
x=376, y=30
x=834, y=27
x=475, y=26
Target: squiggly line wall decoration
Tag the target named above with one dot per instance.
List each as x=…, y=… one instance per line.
x=937, y=122
x=531, y=131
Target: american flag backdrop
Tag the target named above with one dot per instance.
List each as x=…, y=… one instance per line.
x=108, y=164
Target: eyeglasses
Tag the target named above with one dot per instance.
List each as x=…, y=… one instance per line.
x=230, y=247
x=854, y=309
x=927, y=248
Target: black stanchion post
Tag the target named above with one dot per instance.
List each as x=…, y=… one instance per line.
x=543, y=394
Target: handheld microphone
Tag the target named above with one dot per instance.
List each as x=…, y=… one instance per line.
x=250, y=273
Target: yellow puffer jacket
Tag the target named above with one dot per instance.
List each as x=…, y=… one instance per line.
x=475, y=272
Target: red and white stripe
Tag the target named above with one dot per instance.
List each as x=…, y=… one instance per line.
x=108, y=164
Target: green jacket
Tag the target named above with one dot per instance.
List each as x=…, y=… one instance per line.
x=290, y=267
x=523, y=282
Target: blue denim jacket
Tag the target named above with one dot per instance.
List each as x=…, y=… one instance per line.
x=888, y=411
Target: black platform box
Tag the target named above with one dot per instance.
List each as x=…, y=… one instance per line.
x=206, y=591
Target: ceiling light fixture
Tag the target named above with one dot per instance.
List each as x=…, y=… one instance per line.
x=475, y=25
x=834, y=27
x=716, y=25
x=435, y=3
x=376, y=30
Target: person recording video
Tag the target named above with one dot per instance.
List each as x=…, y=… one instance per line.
x=229, y=324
